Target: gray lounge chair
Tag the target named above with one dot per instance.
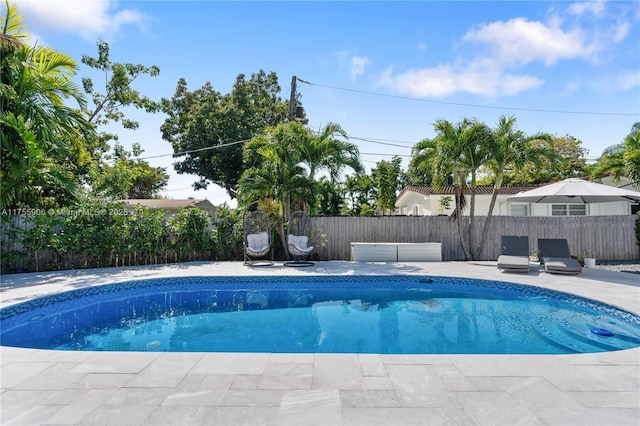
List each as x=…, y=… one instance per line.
x=556, y=256
x=514, y=254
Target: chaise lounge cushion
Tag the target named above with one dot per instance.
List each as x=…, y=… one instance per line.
x=562, y=265
x=513, y=263
x=514, y=254
x=556, y=256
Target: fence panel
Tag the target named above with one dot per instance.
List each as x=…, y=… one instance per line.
x=602, y=237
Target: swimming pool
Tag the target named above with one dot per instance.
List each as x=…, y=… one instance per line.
x=319, y=314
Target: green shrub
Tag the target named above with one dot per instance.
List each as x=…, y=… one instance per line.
x=148, y=237
x=190, y=231
x=97, y=234
x=228, y=234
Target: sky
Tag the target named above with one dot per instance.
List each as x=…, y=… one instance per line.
x=384, y=71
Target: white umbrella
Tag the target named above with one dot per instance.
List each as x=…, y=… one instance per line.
x=576, y=191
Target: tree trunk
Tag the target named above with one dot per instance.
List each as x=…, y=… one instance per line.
x=472, y=212
x=283, y=238
x=463, y=241
x=487, y=222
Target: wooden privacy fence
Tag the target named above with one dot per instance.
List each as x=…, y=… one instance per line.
x=601, y=237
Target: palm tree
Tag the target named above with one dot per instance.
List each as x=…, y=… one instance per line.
x=277, y=172
x=326, y=151
x=455, y=155
x=42, y=137
x=631, y=155
x=30, y=177
x=511, y=149
x=329, y=197
x=361, y=190
x=622, y=159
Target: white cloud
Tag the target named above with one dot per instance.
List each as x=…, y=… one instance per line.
x=446, y=80
x=90, y=19
x=357, y=64
x=497, y=54
x=573, y=86
x=626, y=81
x=513, y=84
x=621, y=31
x=519, y=42
x=595, y=8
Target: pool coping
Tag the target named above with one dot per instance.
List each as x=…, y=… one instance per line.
x=41, y=386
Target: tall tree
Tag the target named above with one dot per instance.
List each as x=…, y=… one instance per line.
x=511, y=149
x=386, y=176
x=565, y=158
x=277, y=170
x=119, y=91
x=631, y=155
x=329, y=198
x=622, y=159
x=41, y=136
x=455, y=155
x=129, y=176
x=107, y=102
x=424, y=156
x=329, y=150
x=360, y=190
x=363, y=191
x=207, y=129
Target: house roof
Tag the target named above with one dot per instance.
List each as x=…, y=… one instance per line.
x=450, y=189
x=170, y=204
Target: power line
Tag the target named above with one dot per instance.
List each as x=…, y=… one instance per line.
x=392, y=142
x=385, y=154
x=381, y=143
x=222, y=145
x=472, y=105
x=373, y=140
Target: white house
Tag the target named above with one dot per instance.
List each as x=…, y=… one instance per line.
x=425, y=201
x=171, y=206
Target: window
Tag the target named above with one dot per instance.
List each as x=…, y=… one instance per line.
x=519, y=210
x=568, y=210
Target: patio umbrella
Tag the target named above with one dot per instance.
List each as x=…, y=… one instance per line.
x=577, y=191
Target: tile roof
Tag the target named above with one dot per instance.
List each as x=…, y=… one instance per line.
x=450, y=189
x=169, y=204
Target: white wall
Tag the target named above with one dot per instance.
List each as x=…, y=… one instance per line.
x=594, y=209
x=428, y=206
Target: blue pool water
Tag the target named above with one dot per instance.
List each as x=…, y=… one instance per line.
x=357, y=314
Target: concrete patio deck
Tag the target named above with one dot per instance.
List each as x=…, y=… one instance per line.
x=127, y=388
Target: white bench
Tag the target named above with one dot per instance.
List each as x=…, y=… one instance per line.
x=396, y=252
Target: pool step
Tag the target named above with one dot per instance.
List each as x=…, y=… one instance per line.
x=574, y=333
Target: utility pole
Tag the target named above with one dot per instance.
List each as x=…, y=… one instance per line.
x=296, y=111
x=292, y=99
